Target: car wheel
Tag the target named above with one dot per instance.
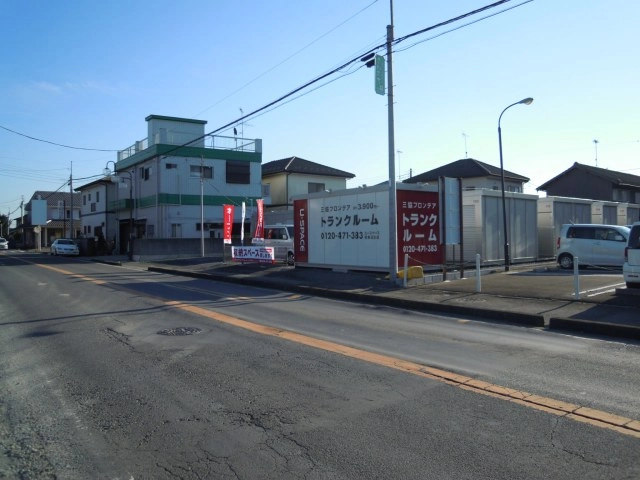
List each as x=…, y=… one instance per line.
x=565, y=261
x=290, y=258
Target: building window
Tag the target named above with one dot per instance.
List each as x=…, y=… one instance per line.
x=84, y=199
x=621, y=195
x=93, y=207
x=200, y=171
x=176, y=230
x=89, y=197
x=97, y=197
x=238, y=172
x=207, y=226
x=315, y=187
x=151, y=231
x=169, y=166
x=266, y=190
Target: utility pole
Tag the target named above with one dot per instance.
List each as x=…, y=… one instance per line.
x=71, y=235
x=393, y=227
x=202, y=206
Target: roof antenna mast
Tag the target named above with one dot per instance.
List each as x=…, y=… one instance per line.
x=466, y=155
x=595, y=143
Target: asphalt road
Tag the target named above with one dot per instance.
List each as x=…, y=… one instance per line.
x=97, y=382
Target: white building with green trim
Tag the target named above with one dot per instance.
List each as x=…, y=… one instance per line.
x=177, y=180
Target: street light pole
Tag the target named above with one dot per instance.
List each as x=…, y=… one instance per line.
x=107, y=172
x=507, y=260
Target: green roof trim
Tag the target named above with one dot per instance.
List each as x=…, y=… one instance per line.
x=207, y=200
x=175, y=119
x=176, y=199
x=189, y=152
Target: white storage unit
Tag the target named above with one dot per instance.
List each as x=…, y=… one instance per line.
x=628, y=214
x=483, y=231
x=553, y=212
x=605, y=213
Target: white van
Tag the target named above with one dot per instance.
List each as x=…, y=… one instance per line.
x=593, y=244
x=631, y=267
x=280, y=237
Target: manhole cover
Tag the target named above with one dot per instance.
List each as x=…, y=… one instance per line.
x=179, y=331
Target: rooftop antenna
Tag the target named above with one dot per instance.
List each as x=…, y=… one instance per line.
x=399, y=152
x=466, y=155
x=595, y=143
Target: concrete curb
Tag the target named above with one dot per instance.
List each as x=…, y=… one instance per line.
x=514, y=318
x=597, y=328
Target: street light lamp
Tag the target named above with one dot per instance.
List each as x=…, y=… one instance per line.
x=107, y=173
x=524, y=101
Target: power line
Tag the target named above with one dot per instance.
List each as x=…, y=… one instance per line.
x=272, y=105
x=288, y=58
x=54, y=143
x=459, y=27
x=335, y=70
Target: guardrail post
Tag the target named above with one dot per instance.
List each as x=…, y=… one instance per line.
x=406, y=268
x=576, y=278
x=478, y=274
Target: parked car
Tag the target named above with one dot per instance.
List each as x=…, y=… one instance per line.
x=631, y=267
x=592, y=244
x=64, y=246
x=4, y=245
x=280, y=237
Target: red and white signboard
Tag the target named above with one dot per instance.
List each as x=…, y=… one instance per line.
x=228, y=222
x=301, y=227
x=418, y=227
x=350, y=228
x=259, y=233
x=253, y=254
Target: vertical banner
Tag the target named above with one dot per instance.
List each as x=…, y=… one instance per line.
x=228, y=222
x=244, y=213
x=301, y=228
x=419, y=228
x=259, y=233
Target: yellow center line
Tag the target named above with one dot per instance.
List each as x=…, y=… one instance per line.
x=576, y=412
x=572, y=411
x=71, y=274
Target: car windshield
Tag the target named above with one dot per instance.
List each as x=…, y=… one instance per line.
x=65, y=242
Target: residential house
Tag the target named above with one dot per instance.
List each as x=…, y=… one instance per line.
x=62, y=218
x=179, y=178
x=474, y=175
x=584, y=181
x=286, y=178
x=98, y=222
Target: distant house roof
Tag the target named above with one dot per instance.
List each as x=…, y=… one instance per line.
x=300, y=165
x=53, y=198
x=464, y=168
x=101, y=181
x=616, y=178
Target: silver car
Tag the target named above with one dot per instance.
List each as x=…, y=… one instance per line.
x=592, y=244
x=64, y=246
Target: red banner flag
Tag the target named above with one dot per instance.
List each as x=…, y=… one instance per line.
x=228, y=222
x=259, y=233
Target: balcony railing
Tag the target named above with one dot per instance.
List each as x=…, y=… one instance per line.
x=184, y=139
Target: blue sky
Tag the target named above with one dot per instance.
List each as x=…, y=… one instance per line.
x=87, y=73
